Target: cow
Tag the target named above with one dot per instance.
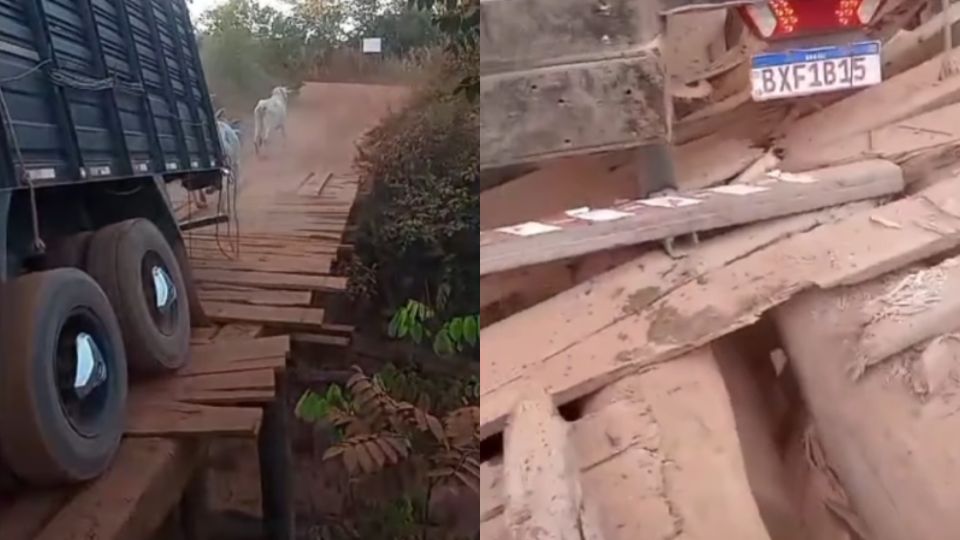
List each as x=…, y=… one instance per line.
x=230, y=143
x=270, y=115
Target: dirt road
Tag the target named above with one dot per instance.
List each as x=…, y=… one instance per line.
x=324, y=124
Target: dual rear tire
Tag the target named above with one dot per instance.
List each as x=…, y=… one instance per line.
x=113, y=300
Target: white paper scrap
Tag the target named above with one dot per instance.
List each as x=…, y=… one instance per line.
x=530, y=228
x=791, y=177
x=600, y=214
x=739, y=189
x=670, y=202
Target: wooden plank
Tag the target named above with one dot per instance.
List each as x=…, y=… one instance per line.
x=131, y=500
x=247, y=349
x=321, y=339
x=888, y=436
x=728, y=298
x=270, y=280
x=304, y=318
x=257, y=297
x=229, y=397
x=30, y=511
x=229, y=366
x=167, y=419
x=204, y=333
x=639, y=221
x=899, y=141
x=296, y=265
x=260, y=379
x=238, y=331
x=913, y=92
x=576, y=314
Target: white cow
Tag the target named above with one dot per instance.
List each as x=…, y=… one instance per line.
x=270, y=115
x=230, y=143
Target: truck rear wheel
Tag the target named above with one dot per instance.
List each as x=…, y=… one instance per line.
x=63, y=378
x=138, y=270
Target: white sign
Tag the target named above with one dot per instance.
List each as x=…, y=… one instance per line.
x=372, y=45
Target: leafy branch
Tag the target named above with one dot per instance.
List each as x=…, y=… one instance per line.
x=415, y=319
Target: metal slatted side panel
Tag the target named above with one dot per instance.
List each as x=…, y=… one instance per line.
x=159, y=85
x=37, y=133
x=73, y=56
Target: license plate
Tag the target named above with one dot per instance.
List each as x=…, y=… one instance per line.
x=802, y=72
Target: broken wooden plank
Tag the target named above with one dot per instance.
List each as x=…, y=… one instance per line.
x=652, y=219
x=287, y=317
x=642, y=452
x=257, y=297
x=913, y=92
x=271, y=280
x=897, y=142
x=131, y=500
x=888, y=435
x=543, y=496
x=728, y=298
x=168, y=419
x=563, y=321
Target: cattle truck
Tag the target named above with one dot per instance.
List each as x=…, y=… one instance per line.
x=103, y=104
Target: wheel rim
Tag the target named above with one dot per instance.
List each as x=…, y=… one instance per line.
x=82, y=367
x=160, y=292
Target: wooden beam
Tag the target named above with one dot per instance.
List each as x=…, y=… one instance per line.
x=864, y=246
x=642, y=221
x=271, y=280
x=131, y=500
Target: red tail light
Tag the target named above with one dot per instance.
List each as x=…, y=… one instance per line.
x=776, y=19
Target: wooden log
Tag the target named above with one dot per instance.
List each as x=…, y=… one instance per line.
x=728, y=298
x=653, y=219
x=643, y=452
x=887, y=436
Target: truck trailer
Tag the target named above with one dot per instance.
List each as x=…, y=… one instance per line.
x=103, y=104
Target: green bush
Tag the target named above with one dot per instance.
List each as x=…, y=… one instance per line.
x=418, y=233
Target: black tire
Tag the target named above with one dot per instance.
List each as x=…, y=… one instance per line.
x=121, y=258
x=50, y=433
x=68, y=251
